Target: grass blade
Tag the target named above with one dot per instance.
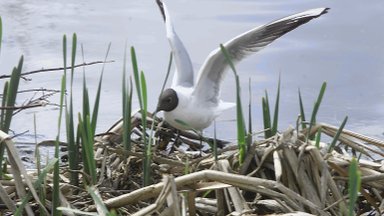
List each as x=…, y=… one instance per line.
x=266, y=116
x=141, y=89
x=101, y=208
x=249, y=135
x=96, y=105
x=97, y=99
x=241, y=131
x=87, y=146
x=9, y=100
x=241, y=134
x=302, y=114
x=3, y=104
x=336, y=137
x=65, y=54
x=316, y=108
x=148, y=145
x=354, y=183
x=144, y=90
x=56, y=183
x=86, y=109
x=127, y=106
x=73, y=59
x=127, y=116
x=73, y=147
x=56, y=172
x=276, y=112
x=11, y=94
x=136, y=76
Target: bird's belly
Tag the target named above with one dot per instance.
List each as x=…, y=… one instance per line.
x=192, y=118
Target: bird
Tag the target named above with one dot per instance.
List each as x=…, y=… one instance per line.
x=193, y=104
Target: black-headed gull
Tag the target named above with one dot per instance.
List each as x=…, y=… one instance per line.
x=194, y=105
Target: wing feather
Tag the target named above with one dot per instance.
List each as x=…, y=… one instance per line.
x=184, y=71
x=213, y=70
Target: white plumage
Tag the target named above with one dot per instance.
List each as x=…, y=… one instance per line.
x=195, y=104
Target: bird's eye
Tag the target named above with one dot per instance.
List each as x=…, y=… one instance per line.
x=169, y=100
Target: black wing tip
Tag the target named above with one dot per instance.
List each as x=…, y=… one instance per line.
x=161, y=7
x=325, y=11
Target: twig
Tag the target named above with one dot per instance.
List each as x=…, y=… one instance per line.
x=39, y=90
x=22, y=107
x=57, y=69
x=31, y=103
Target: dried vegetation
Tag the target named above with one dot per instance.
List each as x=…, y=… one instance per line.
x=284, y=174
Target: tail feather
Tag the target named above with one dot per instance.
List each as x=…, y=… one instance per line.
x=225, y=105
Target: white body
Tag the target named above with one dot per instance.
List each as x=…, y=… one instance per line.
x=191, y=113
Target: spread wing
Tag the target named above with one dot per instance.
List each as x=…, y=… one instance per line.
x=213, y=70
x=184, y=71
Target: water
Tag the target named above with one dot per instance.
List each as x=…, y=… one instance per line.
x=343, y=47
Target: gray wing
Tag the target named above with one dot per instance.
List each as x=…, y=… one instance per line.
x=211, y=73
x=184, y=71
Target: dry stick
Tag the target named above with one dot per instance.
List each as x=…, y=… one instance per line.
x=371, y=140
x=283, y=205
x=228, y=202
x=172, y=197
x=191, y=195
x=323, y=181
x=248, y=159
x=6, y=199
x=337, y=202
x=278, y=167
x=20, y=189
x=21, y=107
x=252, y=183
x=238, y=201
x=57, y=69
x=32, y=103
x=39, y=90
x=206, y=205
x=345, y=139
x=291, y=204
x=331, y=183
x=366, y=179
x=221, y=208
x=369, y=178
x=268, y=151
x=18, y=166
x=161, y=199
x=9, y=183
x=303, y=180
x=314, y=170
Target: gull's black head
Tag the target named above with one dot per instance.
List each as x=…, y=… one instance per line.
x=168, y=101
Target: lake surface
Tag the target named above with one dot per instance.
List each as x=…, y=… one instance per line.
x=344, y=47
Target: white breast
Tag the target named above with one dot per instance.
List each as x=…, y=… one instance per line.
x=189, y=113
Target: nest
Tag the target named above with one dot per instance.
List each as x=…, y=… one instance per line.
x=285, y=174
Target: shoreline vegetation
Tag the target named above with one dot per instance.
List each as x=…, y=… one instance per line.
x=143, y=166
